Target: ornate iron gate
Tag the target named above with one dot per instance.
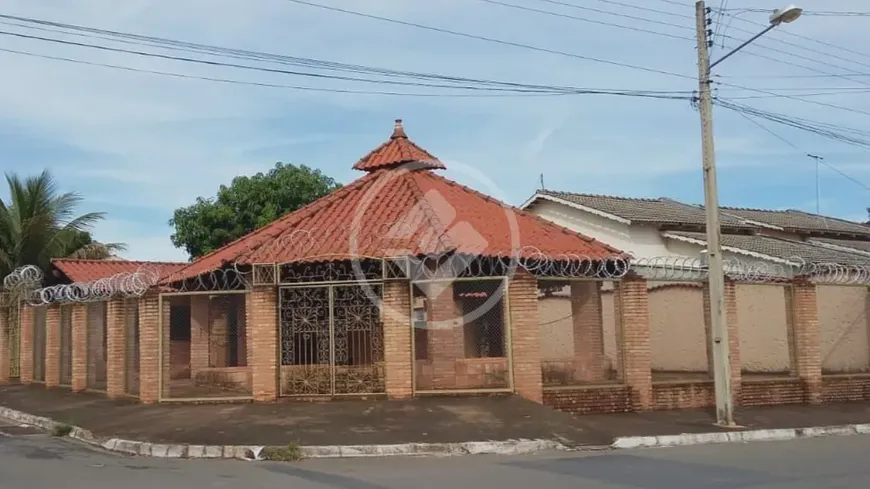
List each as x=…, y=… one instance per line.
x=331, y=340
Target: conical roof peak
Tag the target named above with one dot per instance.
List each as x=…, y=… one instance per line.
x=397, y=151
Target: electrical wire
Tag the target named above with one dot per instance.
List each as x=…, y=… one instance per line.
x=821, y=129
x=794, y=97
x=583, y=19
x=269, y=85
x=491, y=39
x=786, y=141
x=623, y=15
x=627, y=5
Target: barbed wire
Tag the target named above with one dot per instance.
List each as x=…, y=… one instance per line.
x=25, y=283
x=677, y=268
x=132, y=284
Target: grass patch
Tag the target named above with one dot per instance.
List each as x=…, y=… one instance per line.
x=61, y=430
x=289, y=453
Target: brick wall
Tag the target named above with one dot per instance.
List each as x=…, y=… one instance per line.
x=525, y=335
x=590, y=399
x=25, y=352
x=261, y=309
x=116, y=348
x=773, y=392
x=807, y=356
x=199, y=333
x=4, y=344
x=395, y=309
x=52, y=345
x=683, y=395
x=149, y=345
x=588, y=328
x=637, y=356
x=842, y=388
x=79, y=348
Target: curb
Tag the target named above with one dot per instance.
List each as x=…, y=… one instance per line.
x=687, y=439
x=252, y=452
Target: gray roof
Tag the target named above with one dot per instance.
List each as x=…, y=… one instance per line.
x=800, y=221
x=844, y=243
x=658, y=211
x=668, y=211
x=783, y=248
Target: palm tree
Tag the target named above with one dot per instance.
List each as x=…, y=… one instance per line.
x=39, y=223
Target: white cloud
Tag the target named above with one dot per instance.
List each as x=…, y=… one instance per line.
x=155, y=143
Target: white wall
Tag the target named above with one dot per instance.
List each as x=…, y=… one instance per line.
x=638, y=240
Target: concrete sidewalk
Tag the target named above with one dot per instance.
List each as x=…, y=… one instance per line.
x=433, y=420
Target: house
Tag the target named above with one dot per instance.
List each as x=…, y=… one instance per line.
x=668, y=238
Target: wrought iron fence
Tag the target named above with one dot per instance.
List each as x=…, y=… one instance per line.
x=39, y=338
x=204, y=347
x=581, y=337
x=332, y=340
x=131, y=344
x=65, y=345
x=95, y=334
x=461, y=335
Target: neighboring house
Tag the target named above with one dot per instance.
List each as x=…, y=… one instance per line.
x=673, y=234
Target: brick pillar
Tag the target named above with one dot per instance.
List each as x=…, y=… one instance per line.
x=199, y=319
x=25, y=352
x=395, y=310
x=79, y=347
x=52, y=345
x=261, y=308
x=733, y=337
x=586, y=311
x=637, y=357
x=164, y=311
x=808, y=358
x=149, y=345
x=116, y=348
x=446, y=336
x=5, y=312
x=525, y=335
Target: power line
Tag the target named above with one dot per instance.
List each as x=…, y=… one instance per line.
x=793, y=97
x=269, y=85
x=817, y=158
x=490, y=39
x=627, y=5
x=623, y=15
x=583, y=19
x=800, y=36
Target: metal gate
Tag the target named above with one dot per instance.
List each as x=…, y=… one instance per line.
x=332, y=340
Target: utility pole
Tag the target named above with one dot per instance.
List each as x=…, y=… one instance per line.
x=818, y=188
x=716, y=275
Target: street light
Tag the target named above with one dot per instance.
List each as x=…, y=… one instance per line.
x=716, y=277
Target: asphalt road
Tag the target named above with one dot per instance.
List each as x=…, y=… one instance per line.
x=38, y=461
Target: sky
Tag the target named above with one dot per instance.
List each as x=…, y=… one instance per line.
x=137, y=146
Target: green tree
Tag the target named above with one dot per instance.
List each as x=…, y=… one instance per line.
x=247, y=204
x=39, y=223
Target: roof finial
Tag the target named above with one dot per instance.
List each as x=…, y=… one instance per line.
x=399, y=131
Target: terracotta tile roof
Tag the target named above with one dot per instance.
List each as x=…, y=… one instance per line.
x=653, y=211
x=400, y=212
x=398, y=150
x=92, y=270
